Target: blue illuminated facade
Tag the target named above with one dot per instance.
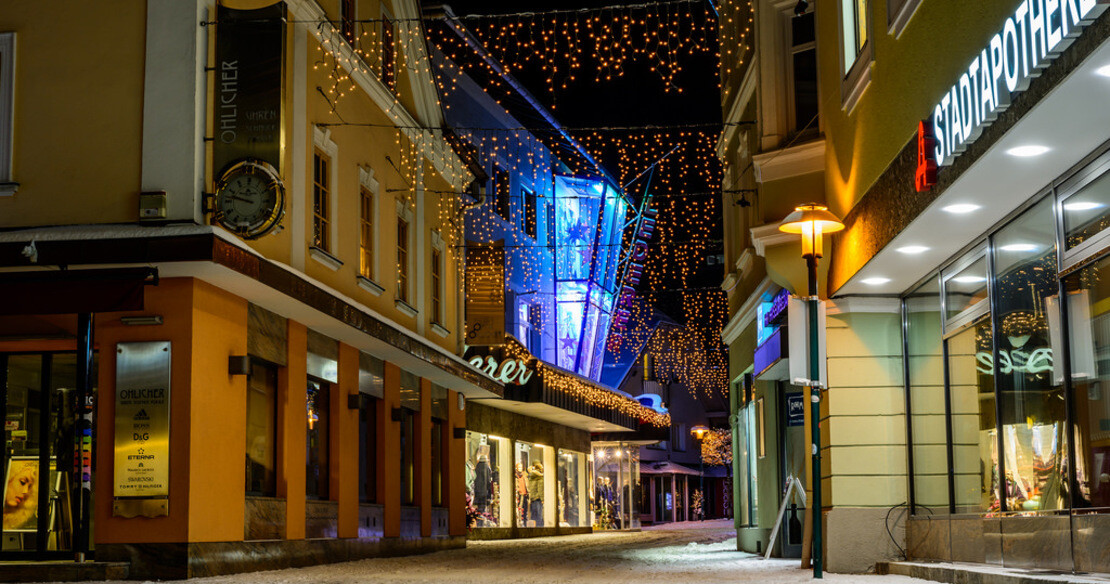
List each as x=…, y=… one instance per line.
x=561, y=230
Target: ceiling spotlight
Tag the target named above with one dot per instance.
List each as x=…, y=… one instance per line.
x=801, y=7
x=876, y=281
x=969, y=279
x=1027, y=151
x=961, y=208
x=913, y=249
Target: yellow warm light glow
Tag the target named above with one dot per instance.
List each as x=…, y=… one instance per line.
x=699, y=431
x=812, y=221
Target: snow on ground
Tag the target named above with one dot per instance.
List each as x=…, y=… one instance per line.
x=683, y=553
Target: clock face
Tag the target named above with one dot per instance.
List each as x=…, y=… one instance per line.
x=250, y=199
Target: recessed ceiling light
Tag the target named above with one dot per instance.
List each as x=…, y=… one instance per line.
x=876, y=281
x=1082, y=206
x=1103, y=70
x=961, y=208
x=1027, y=151
x=969, y=279
x=1020, y=247
x=913, y=249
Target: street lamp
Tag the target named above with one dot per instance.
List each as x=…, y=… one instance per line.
x=699, y=432
x=812, y=221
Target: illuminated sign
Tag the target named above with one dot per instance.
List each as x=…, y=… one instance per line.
x=926, y=175
x=777, y=309
x=1030, y=39
x=635, y=269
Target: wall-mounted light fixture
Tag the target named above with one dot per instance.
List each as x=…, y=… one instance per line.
x=459, y=433
x=145, y=320
x=395, y=414
x=239, y=365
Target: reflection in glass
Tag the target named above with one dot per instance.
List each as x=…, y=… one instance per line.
x=572, y=489
x=316, y=479
x=1087, y=212
x=974, y=438
x=1088, y=307
x=1032, y=403
x=262, y=430
x=966, y=288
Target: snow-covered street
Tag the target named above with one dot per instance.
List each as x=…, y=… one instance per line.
x=685, y=553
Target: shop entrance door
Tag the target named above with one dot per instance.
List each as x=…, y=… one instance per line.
x=793, y=464
x=41, y=499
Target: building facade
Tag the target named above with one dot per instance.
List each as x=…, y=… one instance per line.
x=233, y=330
x=963, y=144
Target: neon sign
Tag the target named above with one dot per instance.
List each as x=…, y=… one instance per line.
x=622, y=312
x=777, y=308
x=926, y=176
x=1036, y=33
x=507, y=371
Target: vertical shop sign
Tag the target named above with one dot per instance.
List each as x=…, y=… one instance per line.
x=250, y=49
x=485, y=294
x=142, y=425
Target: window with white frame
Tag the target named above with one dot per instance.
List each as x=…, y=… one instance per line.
x=7, y=111
x=802, y=75
x=437, y=267
x=855, y=28
x=325, y=179
x=404, y=254
x=898, y=14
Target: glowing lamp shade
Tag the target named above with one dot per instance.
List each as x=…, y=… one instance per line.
x=699, y=431
x=812, y=221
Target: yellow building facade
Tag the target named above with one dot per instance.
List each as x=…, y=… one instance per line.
x=970, y=214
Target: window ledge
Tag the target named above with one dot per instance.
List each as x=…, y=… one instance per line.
x=405, y=307
x=857, y=80
x=8, y=189
x=333, y=263
x=439, y=330
x=370, y=285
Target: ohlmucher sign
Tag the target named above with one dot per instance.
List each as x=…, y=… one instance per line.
x=142, y=437
x=1030, y=39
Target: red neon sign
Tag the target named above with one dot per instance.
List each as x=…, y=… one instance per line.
x=926, y=175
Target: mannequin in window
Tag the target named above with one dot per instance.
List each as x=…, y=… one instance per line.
x=483, y=480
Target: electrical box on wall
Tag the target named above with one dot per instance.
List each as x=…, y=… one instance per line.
x=152, y=205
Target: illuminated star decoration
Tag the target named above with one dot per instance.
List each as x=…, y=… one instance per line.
x=567, y=344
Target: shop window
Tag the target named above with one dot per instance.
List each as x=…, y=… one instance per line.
x=489, y=479
x=437, y=462
x=1086, y=211
x=573, y=493
x=502, y=187
x=531, y=486
x=1088, y=296
x=855, y=24
x=616, y=469
x=1032, y=409
x=965, y=290
x=389, y=52
x=408, y=457
x=530, y=213
x=368, y=449
x=262, y=430
x=7, y=101
x=925, y=365
x=972, y=419
x=316, y=478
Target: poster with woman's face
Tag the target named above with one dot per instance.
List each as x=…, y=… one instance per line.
x=21, y=494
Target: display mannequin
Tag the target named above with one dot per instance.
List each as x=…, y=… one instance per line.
x=483, y=480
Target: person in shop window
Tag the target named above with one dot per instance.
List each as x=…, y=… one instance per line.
x=21, y=496
x=535, y=493
x=521, y=493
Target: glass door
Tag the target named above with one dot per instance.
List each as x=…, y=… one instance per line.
x=38, y=397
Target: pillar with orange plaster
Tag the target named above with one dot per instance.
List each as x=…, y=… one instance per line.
x=345, y=444
x=292, y=430
x=389, y=441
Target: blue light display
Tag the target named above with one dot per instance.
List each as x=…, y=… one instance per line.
x=589, y=218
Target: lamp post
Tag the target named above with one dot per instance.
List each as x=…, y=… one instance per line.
x=699, y=432
x=812, y=221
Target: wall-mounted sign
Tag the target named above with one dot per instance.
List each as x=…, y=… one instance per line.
x=773, y=315
x=250, y=58
x=795, y=409
x=623, y=310
x=1030, y=39
x=510, y=370
x=142, y=425
x=926, y=176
